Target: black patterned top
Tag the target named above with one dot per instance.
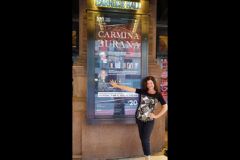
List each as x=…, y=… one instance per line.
x=147, y=104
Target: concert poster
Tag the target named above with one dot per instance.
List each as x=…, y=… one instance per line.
x=117, y=56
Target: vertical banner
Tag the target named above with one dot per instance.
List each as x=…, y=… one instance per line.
x=163, y=47
x=164, y=78
x=117, y=56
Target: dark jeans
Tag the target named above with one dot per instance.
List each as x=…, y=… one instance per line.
x=145, y=130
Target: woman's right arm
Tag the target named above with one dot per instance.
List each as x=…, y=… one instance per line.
x=126, y=88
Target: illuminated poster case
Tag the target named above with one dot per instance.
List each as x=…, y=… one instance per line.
x=117, y=50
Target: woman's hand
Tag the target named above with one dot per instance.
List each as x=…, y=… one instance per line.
x=161, y=113
x=113, y=83
x=152, y=116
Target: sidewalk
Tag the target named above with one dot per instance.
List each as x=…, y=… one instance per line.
x=155, y=156
x=161, y=157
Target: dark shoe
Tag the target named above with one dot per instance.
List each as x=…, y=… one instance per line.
x=166, y=152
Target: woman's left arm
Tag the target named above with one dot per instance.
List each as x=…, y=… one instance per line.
x=163, y=110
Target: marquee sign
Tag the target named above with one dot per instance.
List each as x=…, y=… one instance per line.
x=118, y=4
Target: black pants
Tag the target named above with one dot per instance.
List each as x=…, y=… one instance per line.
x=145, y=130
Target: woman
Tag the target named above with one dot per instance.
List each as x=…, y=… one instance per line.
x=145, y=112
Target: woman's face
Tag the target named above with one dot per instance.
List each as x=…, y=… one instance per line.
x=150, y=85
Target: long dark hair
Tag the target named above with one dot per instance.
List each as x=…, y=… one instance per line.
x=144, y=83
